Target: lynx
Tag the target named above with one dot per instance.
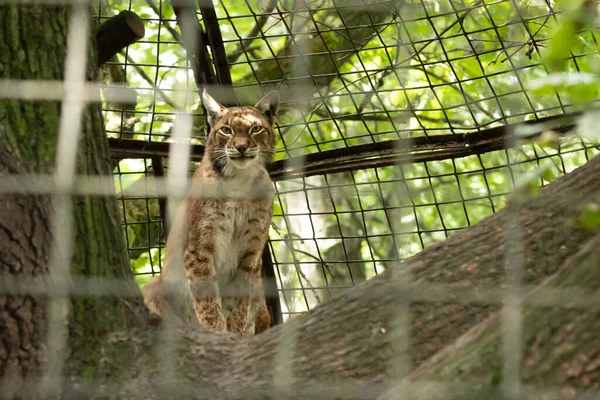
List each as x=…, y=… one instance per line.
x=221, y=238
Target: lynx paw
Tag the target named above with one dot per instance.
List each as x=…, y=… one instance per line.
x=236, y=326
x=216, y=324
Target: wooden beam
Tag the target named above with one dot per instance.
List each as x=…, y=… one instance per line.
x=379, y=154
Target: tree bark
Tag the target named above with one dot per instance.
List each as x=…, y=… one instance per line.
x=32, y=42
x=350, y=347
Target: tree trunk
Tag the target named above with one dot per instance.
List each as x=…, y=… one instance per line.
x=32, y=46
x=350, y=347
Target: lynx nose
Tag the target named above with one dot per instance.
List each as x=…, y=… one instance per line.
x=241, y=149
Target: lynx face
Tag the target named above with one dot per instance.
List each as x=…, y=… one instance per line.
x=241, y=138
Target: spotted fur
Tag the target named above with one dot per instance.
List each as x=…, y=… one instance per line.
x=221, y=238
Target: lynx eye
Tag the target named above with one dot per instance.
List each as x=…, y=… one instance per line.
x=225, y=130
x=256, y=129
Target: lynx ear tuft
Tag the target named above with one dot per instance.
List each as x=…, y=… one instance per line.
x=214, y=110
x=269, y=105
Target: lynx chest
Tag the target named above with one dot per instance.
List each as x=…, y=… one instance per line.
x=237, y=222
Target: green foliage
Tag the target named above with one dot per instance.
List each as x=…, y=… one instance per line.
x=579, y=15
x=589, y=216
x=146, y=264
x=496, y=63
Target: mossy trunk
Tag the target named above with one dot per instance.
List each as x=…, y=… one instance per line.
x=33, y=47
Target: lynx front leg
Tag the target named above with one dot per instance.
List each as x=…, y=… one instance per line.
x=202, y=279
x=247, y=282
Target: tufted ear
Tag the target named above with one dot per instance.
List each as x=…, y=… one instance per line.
x=214, y=110
x=269, y=105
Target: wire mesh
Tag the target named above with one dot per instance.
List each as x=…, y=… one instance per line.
x=402, y=70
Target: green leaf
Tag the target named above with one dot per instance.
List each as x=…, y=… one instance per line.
x=589, y=216
x=580, y=15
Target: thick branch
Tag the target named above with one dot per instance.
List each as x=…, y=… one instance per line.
x=346, y=347
x=447, y=360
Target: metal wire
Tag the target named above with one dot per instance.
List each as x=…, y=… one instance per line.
x=313, y=273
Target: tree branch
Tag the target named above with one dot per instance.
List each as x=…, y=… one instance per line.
x=117, y=33
x=256, y=30
x=385, y=118
x=157, y=11
x=148, y=79
x=470, y=338
x=318, y=70
x=390, y=152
